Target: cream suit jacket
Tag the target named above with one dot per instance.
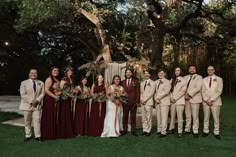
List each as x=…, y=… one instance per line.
x=163, y=91
x=194, y=88
x=214, y=92
x=147, y=94
x=28, y=95
x=179, y=91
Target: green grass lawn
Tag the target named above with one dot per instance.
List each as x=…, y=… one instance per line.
x=12, y=145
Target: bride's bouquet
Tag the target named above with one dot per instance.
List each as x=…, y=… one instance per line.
x=119, y=97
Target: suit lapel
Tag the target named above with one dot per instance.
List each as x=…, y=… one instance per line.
x=30, y=84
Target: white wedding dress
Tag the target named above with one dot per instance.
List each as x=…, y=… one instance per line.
x=113, y=119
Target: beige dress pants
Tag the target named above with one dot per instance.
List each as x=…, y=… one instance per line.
x=192, y=111
x=215, y=110
x=147, y=118
x=162, y=118
x=35, y=117
x=179, y=109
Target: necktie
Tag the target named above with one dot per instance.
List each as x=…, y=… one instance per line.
x=159, y=84
x=34, y=85
x=176, y=82
x=189, y=81
x=145, y=85
x=128, y=83
x=210, y=82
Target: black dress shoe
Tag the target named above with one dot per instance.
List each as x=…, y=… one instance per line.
x=171, y=131
x=204, y=134
x=123, y=133
x=39, y=139
x=148, y=134
x=158, y=133
x=187, y=133
x=144, y=133
x=217, y=137
x=26, y=139
x=195, y=135
x=162, y=135
x=180, y=135
x=134, y=133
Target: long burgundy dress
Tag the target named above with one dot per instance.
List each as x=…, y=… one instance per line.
x=66, y=115
x=97, y=114
x=49, y=120
x=81, y=118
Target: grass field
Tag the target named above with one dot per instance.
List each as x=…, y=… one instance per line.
x=12, y=145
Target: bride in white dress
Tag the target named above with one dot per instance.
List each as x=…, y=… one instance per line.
x=113, y=119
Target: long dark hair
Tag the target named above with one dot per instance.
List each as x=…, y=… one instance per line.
x=114, y=79
x=174, y=79
x=66, y=78
x=130, y=71
x=54, y=79
x=96, y=83
x=81, y=84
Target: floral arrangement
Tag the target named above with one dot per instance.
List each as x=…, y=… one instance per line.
x=57, y=91
x=99, y=97
x=85, y=94
x=64, y=93
x=137, y=65
x=119, y=96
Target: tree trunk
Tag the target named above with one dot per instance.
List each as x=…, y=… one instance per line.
x=157, y=49
x=105, y=50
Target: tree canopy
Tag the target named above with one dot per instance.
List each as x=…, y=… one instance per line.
x=163, y=33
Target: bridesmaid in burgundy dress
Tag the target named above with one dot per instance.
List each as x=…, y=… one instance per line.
x=50, y=108
x=66, y=107
x=98, y=107
x=82, y=109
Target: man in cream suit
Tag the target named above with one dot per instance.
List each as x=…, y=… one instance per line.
x=177, y=99
x=32, y=93
x=211, y=92
x=193, y=99
x=162, y=102
x=147, y=89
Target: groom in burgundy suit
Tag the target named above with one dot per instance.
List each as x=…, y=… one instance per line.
x=132, y=88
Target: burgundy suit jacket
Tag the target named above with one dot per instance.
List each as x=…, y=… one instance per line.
x=133, y=91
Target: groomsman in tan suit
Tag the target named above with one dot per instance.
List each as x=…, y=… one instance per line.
x=162, y=102
x=32, y=93
x=147, y=89
x=211, y=92
x=177, y=99
x=193, y=99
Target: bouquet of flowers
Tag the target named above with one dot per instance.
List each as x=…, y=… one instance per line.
x=57, y=91
x=99, y=97
x=85, y=94
x=119, y=97
x=65, y=92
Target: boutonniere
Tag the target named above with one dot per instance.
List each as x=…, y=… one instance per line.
x=194, y=77
x=161, y=82
x=149, y=84
x=214, y=80
x=179, y=80
x=133, y=84
x=39, y=84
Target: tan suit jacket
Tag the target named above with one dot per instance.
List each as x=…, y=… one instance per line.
x=214, y=92
x=28, y=95
x=194, y=88
x=163, y=91
x=147, y=94
x=179, y=91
